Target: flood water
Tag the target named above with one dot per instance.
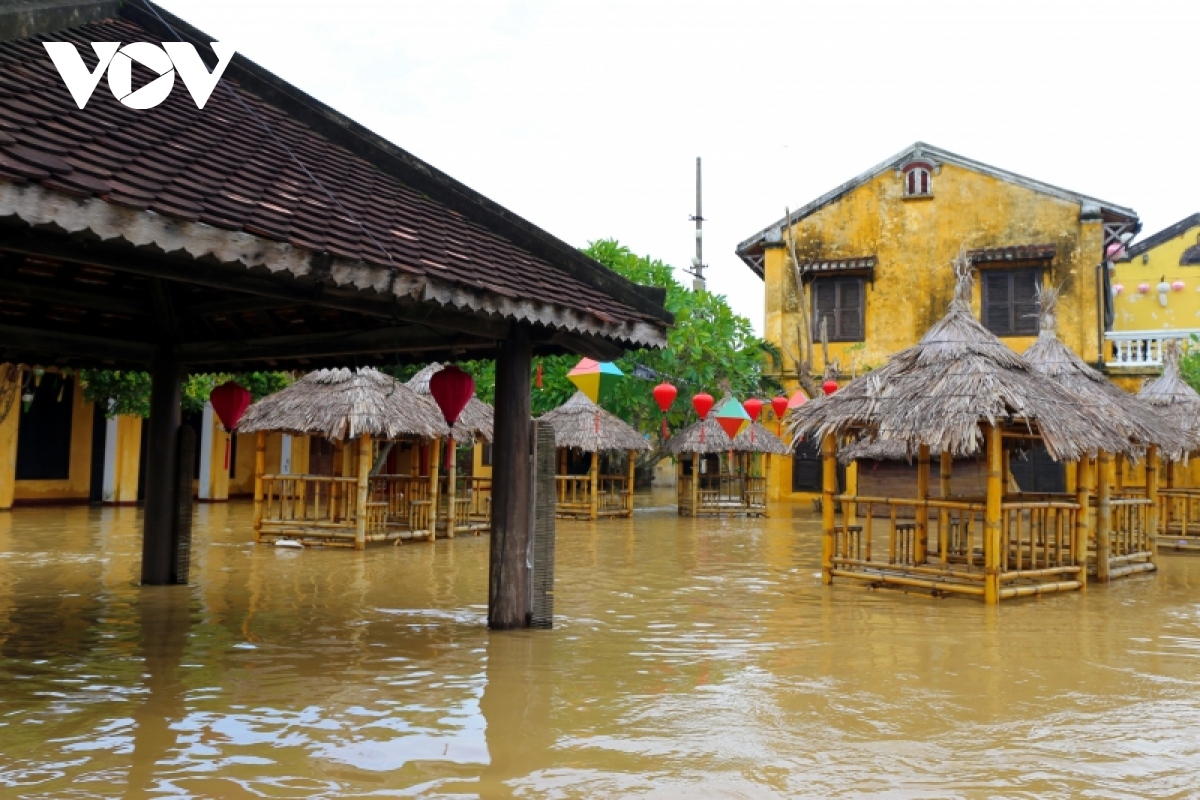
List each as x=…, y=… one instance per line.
x=689, y=659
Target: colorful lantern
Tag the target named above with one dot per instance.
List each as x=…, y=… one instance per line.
x=1178, y=286
x=732, y=417
x=829, y=387
x=594, y=378
x=1163, y=289
x=753, y=407
x=1117, y=288
x=230, y=401
x=664, y=395
x=1143, y=288
x=451, y=389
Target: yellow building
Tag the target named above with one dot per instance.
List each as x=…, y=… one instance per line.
x=1155, y=298
x=872, y=264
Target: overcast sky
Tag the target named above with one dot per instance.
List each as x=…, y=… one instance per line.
x=586, y=118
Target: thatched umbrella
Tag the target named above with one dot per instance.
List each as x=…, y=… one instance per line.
x=580, y=423
x=344, y=404
x=952, y=393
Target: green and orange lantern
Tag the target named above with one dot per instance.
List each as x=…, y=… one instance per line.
x=732, y=417
x=595, y=378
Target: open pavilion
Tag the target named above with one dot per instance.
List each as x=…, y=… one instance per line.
x=267, y=231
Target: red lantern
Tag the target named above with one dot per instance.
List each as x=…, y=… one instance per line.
x=779, y=406
x=703, y=404
x=230, y=401
x=830, y=386
x=451, y=389
x=664, y=395
x=753, y=407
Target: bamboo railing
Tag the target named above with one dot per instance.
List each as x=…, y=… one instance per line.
x=574, y=496
x=324, y=509
x=722, y=494
x=943, y=549
x=1179, y=518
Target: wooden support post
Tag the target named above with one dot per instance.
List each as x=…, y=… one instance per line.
x=594, y=473
x=166, y=413
x=632, y=475
x=1119, y=473
x=451, y=489
x=695, y=484
x=921, y=546
x=363, y=478
x=993, y=559
x=1103, y=516
x=947, y=465
x=1152, y=518
x=435, y=465
x=260, y=469
x=1082, y=479
x=828, y=491
x=509, y=574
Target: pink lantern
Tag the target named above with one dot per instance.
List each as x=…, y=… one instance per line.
x=1178, y=285
x=1143, y=288
x=1117, y=288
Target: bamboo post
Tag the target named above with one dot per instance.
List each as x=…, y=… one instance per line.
x=1152, y=496
x=828, y=490
x=991, y=526
x=921, y=545
x=632, y=470
x=1081, y=522
x=260, y=468
x=363, y=483
x=695, y=484
x=947, y=462
x=435, y=463
x=595, y=479
x=451, y=489
x=1103, y=516
x=1119, y=473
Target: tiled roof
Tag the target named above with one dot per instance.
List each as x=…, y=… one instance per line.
x=1165, y=235
x=1016, y=252
x=818, y=266
x=220, y=168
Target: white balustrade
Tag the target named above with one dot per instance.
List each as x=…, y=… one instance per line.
x=1141, y=348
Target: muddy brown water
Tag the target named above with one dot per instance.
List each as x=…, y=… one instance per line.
x=690, y=659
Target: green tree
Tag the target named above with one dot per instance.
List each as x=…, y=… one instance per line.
x=128, y=392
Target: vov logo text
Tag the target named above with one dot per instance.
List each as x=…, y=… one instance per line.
x=165, y=61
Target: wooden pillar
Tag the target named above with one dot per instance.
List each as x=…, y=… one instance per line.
x=632, y=475
x=451, y=488
x=362, y=477
x=1152, y=495
x=595, y=476
x=509, y=575
x=1119, y=473
x=260, y=468
x=993, y=559
x=695, y=484
x=1103, y=516
x=166, y=413
x=947, y=465
x=1082, y=480
x=921, y=546
x=435, y=473
x=828, y=491
x=9, y=426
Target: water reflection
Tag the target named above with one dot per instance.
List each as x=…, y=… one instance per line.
x=690, y=659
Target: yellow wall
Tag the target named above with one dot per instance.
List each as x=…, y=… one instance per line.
x=128, y=461
x=8, y=450
x=1133, y=311
x=78, y=485
x=914, y=241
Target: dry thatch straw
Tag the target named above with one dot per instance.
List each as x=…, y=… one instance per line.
x=1170, y=395
x=343, y=404
x=582, y=424
x=477, y=420
x=1126, y=415
x=938, y=392
x=687, y=441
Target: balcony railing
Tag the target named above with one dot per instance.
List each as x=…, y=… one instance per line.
x=1142, y=348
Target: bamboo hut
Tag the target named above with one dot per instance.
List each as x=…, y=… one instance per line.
x=1122, y=522
x=356, y=410
x=722, y=476
x=463, y=503
x=581, y=426
x=1179, y=501
x=959, y=391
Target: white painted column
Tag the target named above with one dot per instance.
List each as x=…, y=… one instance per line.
x=285, y=454
x=109, y=490
x=206, y=445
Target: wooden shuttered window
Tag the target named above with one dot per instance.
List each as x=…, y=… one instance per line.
x=839, y=302
x=1010, y=306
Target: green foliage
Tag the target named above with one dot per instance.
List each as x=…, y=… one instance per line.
x=122, y=392
x=1189, y=362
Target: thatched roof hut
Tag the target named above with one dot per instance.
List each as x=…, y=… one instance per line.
x=582, y=424
x=1132, y=418
x=688, y=441
x=343, y=404
x=1172, y=397
x=957, y=376
x=477, y=419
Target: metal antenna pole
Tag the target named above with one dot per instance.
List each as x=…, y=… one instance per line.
x=698, y=262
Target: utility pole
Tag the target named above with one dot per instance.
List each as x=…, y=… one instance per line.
x=697, y=269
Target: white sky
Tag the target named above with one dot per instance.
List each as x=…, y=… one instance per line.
x=586, y=117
